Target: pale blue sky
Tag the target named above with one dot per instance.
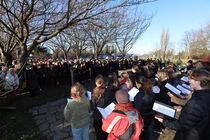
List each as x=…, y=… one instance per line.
x=178, y=16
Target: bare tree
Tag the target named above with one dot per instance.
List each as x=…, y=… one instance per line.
x=33, y=22
x=129, y=30
x=8, y=44
x=101, y=34
x=77, y=38
x=197, y=42
x=164, y=41
x=54, y=48
x=60, y=42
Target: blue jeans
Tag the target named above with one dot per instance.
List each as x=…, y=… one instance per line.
x=81, y=133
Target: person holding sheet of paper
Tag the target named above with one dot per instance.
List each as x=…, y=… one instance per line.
x=77, y=113
x=125, y=122
x=99, y=99
x=180, y=100
x=163, y=80
x=194, y=120
x=143, y=102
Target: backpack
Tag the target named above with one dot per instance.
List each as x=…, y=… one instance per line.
x=130, y=132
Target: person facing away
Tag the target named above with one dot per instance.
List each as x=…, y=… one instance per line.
x=77, y=113
x=125, y=122
x=194, y=120
x=126, y=82
x=143, y=102
x=99, y=99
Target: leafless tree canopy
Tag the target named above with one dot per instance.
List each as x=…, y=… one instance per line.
x=197, y=43
x=31, y=22
x=131, y=28
x=164, y=41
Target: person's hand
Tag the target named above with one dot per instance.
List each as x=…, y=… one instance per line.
x=159, y=117
x=170, y=94
x=181, y=96
x=178, y=108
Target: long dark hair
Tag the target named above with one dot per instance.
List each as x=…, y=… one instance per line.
x=113, y=82
x=146, y=83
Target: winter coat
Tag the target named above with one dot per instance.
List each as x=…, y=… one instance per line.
x=120, y=127
x=163, y=96
x=143, y=102
x=77, y=112
x=102, y=102
x=11, y=81
x=194, y=121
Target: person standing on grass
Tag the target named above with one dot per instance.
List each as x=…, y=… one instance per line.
x=77, y=113
x=194, y=120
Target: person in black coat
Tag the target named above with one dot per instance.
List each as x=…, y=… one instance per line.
x=32, y=81
x=143, y=102
x=134, y=73
x=194, y=120
x=163, y=80
x=99, y=99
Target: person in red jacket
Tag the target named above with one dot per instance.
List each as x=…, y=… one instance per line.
x=122, y=119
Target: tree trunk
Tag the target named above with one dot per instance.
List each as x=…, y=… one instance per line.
x=96, y=55
x=21, y=65
x=7, y=59
x=65, y=55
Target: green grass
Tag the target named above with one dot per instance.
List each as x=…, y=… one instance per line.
x=184, y=61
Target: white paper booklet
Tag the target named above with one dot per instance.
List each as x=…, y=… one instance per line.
x=187, y=86
x=68, y=100
x=173, y=89
x=185, y=79
x=163, y=109
x=183, y=90
x=89, y=94
x=132, y=93
x=106, y=111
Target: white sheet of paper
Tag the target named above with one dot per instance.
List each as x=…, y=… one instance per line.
x=106, y=111
x=185, y=79
x=173, y=89
x=183, y=90
x=164, y=109
x=103, y=112
x=68, y=100
x=89, y=94
x=187, y=86
x=132, y=93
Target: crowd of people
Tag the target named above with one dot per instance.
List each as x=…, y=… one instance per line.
x=40, y=74
x=135, y=119
x=130, y=119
